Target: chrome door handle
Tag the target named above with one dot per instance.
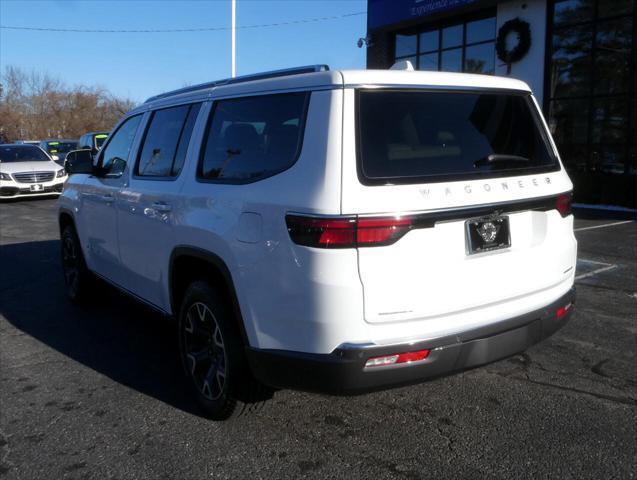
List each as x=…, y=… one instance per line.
x=107, y=198
x=162, y=207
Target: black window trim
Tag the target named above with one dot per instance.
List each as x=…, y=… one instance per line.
x=428, y=179
x=100, y=156
x=204, y=140
x=164, y=178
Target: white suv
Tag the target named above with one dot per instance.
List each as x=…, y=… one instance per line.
x=335, y=231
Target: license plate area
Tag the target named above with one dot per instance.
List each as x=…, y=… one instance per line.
x=487, y=233
x=37, y=187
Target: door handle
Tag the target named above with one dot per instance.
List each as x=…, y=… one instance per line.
x=162, y=207
x=107, y=198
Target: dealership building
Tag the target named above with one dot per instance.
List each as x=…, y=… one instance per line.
x=578, y=56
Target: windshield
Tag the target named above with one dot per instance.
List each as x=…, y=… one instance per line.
x=60, y=147
x=419, y=137
x=22, y=153
x=100, y=139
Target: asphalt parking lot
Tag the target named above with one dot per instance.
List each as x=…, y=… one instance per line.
x=97, y=392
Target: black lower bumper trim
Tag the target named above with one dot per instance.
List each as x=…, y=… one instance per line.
x=343, y=371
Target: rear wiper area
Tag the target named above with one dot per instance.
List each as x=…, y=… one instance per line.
x=496, y=158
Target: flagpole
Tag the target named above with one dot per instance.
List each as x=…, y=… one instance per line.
x=234, y=38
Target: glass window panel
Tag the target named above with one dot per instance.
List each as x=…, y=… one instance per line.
x=160, y=144
x=253, y=137
x=573, y=11
x=632, y=166
x=633, y=121
x=571, y=66
x=609, y=8
x=568, y=122
x=114, y=156
x=429, y=41
x=609, y=159
x=481, y=30
x=451, y=60
x=428, y=61
x=405, y=45
x=609, y=120
x=612, y=55
x=480, y=59
x=452, y=36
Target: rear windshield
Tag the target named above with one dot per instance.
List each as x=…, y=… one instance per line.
x=421, y=137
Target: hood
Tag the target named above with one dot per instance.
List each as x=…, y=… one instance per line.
x=39, y=166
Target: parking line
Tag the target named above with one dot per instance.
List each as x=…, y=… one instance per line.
x=595, y=272
x=602, y=226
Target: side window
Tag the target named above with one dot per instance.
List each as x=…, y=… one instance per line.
x=253, y=138
x=115, y=155
x=166, y=141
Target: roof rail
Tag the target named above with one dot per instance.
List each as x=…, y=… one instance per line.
x=244, y=78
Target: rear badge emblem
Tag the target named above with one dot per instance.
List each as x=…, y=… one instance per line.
x=488, y=231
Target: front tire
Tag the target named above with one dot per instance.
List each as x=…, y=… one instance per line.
x=211, y=351
x=77, y=276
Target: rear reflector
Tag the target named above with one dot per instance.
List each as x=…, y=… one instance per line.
x=563, y=310
x=407, y=357
x=563, y=204
x=347, y=232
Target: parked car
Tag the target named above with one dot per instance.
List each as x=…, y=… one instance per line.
x=27, y=170
x=92, y=141
x=334, y=231
x=58, y=148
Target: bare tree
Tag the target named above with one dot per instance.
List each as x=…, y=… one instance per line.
x=35, y=105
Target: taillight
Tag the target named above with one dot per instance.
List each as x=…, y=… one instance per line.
x=562, y=311
x=397, y=358
x=563, y=204
x=346, y=232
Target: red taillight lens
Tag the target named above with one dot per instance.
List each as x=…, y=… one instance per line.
x=381, y=231
x=346, y=232
x=562, y=311
x=563, y=204
x=406, y=357
x=322, y=232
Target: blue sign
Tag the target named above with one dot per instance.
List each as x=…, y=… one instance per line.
x=386, y=12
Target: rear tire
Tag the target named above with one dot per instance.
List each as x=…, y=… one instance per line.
x=212, y=354
x=77, y=277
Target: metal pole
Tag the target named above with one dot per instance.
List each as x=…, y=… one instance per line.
x=234, y=39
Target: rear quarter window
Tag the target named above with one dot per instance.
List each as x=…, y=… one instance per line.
x=252, y=138
x=429, y=136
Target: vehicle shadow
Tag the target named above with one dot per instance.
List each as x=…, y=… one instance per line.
x=114, y=335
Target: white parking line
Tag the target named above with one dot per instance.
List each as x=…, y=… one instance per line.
x=602, y=226
x=594, y=262
x=595, y=272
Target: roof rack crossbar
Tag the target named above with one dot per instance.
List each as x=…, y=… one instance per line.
x=244, y=78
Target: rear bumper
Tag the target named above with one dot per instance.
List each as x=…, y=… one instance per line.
x=343, y=371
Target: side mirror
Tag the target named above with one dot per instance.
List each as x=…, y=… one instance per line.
x=79, y=161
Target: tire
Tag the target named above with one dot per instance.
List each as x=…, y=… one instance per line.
x=212, y=354
x=77, y=277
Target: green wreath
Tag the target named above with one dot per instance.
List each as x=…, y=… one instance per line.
x=523, y=30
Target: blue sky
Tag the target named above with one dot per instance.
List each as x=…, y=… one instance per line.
x=138, y=65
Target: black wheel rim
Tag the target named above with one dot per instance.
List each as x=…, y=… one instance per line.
x=70, y=264
x=204, y=350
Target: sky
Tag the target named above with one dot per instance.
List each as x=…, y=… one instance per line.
x=139, y=65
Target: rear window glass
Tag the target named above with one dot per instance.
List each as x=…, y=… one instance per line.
x=421, y=137
x=252, y=138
